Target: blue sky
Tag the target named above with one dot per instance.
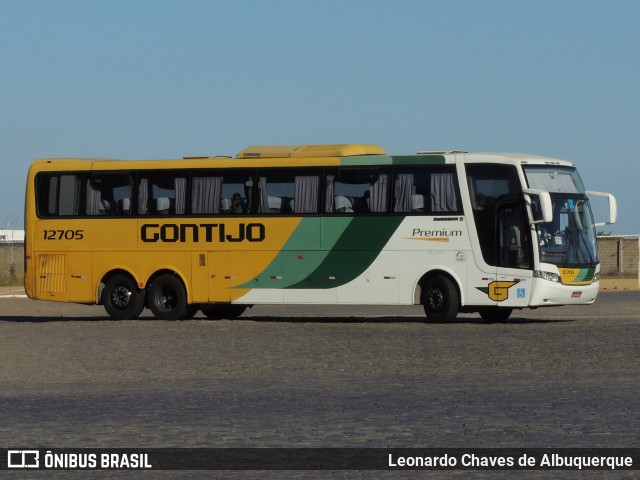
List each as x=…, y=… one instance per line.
x=163, y=79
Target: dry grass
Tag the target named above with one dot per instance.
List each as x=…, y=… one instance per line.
x=7, y=280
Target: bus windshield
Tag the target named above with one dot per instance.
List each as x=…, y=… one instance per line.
x=570, y=238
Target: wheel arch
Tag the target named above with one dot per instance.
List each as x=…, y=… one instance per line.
x=169, y=271
x=445, y=272
x=107, y=276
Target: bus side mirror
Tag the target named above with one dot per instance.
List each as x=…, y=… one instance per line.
x=545, y=204
x=613, y=208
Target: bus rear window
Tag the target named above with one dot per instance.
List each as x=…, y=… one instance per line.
x=58, y=194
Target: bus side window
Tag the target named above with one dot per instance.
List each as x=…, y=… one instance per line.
x=420, y=189
x=47, y=194
x=357, y=190
x=106, y=193
x=58, y=194
x=288, y=192
x=213, y=191
x=162, y=194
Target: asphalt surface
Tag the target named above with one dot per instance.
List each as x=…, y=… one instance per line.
x=289, y=376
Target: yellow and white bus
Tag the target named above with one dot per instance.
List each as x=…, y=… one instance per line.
x=313, y=224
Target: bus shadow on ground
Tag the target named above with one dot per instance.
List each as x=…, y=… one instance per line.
x=283, y=320
x=43, y=319
x=397, y=319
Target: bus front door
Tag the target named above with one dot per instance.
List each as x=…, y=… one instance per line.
x=514, y=256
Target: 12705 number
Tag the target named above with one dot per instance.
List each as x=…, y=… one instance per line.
x=63, y=234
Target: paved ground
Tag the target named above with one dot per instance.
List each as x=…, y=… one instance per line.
x=321, y=377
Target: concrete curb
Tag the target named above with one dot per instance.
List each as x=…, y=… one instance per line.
x=618, y=284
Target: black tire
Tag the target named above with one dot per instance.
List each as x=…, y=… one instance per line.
x=440, y=299
x=167, y=298
x=121, y=298
x=223, y=311
x=495, y=314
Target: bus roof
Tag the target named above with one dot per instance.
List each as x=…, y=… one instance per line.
x=298, y=155
x=521, y=158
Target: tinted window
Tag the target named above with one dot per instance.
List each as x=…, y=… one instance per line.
x=281, y=191
x=162, y=193
x=432, y=189
x=58, y=194
x=489, y=181
x=109, y=193
x=357, y=190
x=221, y=192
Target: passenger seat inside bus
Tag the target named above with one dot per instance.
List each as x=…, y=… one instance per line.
x=225, y=206
x=163, y=205
x=124, y=206
x=343, y=204
x=274, y=203
x=417, y=203
x=104, y=207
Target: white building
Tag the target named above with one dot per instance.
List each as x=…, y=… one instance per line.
x=11, y=236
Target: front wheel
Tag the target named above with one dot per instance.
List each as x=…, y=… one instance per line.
x=121, y=298
x=440, y=299
x=168, y=298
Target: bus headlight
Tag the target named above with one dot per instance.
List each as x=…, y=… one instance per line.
x=596, y=277
x=552, y=277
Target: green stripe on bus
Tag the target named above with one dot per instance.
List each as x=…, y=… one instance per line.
x=347, y=259
x=312, y=240
x=585, y=274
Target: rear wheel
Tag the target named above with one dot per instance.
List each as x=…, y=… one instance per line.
x=495, y=314
x=440, y=299
x=121, y=298
x=168, y=298
x=223, y=311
